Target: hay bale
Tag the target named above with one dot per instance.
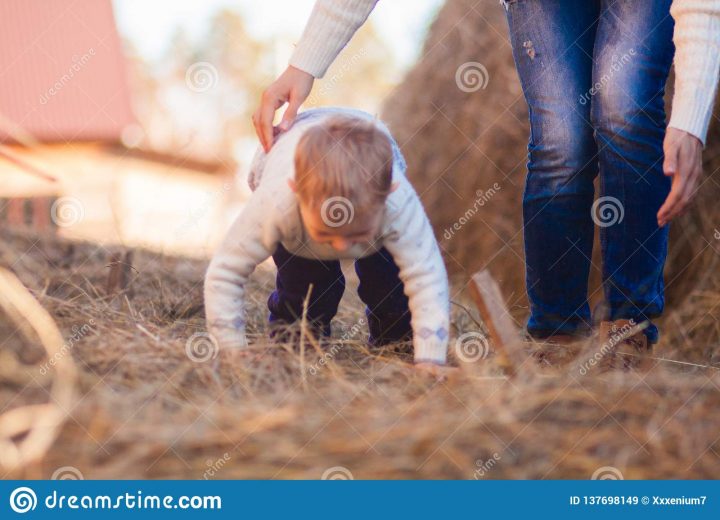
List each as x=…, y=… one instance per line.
x=460, y=143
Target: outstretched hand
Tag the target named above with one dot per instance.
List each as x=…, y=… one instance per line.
x=292, y=87
x=683, y=161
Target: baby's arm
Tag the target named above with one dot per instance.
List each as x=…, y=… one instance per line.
x=251, y=240
x=411, y=241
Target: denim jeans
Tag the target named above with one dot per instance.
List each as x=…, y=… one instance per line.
x=593, y=73
x=380, y=289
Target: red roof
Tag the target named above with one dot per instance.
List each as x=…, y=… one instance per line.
x=62, y=71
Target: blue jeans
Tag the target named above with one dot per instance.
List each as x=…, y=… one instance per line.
x=593, y=73
x=380, y=289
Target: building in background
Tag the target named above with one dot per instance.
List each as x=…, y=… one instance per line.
x=65, y=120
x=62, y=72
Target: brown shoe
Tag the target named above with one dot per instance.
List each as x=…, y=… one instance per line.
x=623, y=344
x=557, y=349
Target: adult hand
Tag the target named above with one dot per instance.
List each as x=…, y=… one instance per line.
x=683, y=161
x=292, y=87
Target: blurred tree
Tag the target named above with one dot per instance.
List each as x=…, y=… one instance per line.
x=199, y=99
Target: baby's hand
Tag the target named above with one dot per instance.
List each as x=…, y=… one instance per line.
x=441, y=372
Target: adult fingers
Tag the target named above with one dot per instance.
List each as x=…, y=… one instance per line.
x=670, y=163
x=689, y=167
x=263, y=120
x=684, y=180
x=290, y=113
x=670, y=168
x=668, y=208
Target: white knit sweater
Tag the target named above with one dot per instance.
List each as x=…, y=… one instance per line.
x=272, y=216
x=697, y=57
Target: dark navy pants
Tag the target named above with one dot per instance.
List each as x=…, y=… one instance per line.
x=380, y=289
x=593, y=73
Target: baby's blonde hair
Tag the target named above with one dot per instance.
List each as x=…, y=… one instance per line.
x=344, y=157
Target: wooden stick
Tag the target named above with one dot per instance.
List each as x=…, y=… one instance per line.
x=508, y=342
x=119, y=276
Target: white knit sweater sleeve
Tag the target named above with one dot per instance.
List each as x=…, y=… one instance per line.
x=331, y=26
x=409, y=238
x=252, y=238
x=697, y=62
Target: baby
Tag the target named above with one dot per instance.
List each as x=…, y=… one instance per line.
x=334, y=187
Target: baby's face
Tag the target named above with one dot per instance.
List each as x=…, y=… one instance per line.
x=339, y=227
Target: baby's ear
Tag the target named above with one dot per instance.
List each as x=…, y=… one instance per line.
x=293, y=186
x=394, y=186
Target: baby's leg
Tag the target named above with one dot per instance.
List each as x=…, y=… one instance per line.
x=382, y=291
x=294, y=276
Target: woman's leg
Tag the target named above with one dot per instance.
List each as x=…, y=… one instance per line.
x=382, y=291
x=294, y=277
x=633, y=54
x=552, y=44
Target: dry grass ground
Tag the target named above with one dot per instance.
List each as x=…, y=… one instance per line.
x=144, y=409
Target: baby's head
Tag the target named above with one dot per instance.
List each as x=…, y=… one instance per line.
x=343, y=175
